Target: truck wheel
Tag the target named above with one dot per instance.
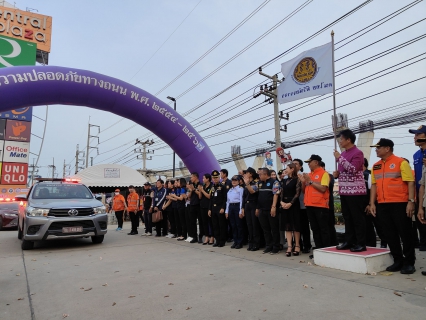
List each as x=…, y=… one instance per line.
x=97, y=239
x=27, y=245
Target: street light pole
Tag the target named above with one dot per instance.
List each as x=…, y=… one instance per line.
x=174, y=153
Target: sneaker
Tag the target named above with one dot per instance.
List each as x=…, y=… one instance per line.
x=118, y=229
x=274, y=251
x=148, y=234
x=189, y=239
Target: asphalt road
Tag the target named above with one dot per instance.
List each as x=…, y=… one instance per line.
x=134, y=277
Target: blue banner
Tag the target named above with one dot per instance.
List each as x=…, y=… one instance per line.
x=22, y=114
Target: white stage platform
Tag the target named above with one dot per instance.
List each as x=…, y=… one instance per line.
x=367, y=262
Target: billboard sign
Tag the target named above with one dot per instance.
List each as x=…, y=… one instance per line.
x=14, y=173
x=18, y=131
x=11, y=191
x=27, y=26
x=112, y=173
x=16, y=152
x=2, y=129
x=23, y=114
x=15, y=52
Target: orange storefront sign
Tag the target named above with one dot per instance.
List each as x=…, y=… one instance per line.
x=27, y=26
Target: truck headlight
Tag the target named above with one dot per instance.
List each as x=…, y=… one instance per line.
x=99, y=210
x=37, y=212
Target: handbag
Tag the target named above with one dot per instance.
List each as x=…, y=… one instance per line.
x=157, y=216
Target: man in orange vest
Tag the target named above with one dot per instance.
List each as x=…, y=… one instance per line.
x=119, y=206
x=132, y=208
x=315, y=186
x=393, y=187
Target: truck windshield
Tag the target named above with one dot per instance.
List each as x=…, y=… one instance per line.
x=61, y=191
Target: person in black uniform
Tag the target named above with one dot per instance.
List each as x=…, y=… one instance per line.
x=228, y=185
x=204, y=205
x=250, y=203
x=147, y=200
x=269, y=190
x=217, y=206
x=195, y=213
x=169, y=209
x=331, y=218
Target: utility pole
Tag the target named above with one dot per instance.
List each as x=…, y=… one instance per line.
x=271, y=93
x=88, y=141
x=174, y=153
x=143, y=152
x=53, y=168
x=78, y=160
x=64, y=169
x=34, y=170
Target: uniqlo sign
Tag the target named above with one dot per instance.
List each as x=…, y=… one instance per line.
x=14, y=173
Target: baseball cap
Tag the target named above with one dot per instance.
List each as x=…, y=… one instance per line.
x=384, y=143
x=235, y=178
x=314, y=157
x=146, y=184
x=421, y=129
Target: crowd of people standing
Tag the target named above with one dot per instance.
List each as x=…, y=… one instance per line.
x=261, y=209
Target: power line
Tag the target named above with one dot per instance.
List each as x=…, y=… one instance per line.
x=166, y=40
x=239, y=25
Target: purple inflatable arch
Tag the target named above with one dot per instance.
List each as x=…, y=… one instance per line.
x=45, y=85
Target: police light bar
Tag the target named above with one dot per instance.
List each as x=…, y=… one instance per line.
x=72, y=180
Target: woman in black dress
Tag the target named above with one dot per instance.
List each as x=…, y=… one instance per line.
x=290, y=207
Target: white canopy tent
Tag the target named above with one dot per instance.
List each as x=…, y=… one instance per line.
x=110, y=175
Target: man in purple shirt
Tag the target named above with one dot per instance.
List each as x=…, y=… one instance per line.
x=352, y=191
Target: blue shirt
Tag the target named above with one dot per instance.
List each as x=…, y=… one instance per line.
x=418, y=164
x=235, y=195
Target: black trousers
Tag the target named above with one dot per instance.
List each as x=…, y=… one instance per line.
x=195, y=214
x=271, y=228
x=140, y=216
x=119, y=216
x=207, y=222
x=319, y=220
x=236, y=222
x=148, y=220
x=220, y=226
x=253, y=225
x=134, y=218
x=178, y=226
x=331, y=225
x=163, y=224
x=305, y=230
x=421, y=228
x=172, y=220
x=353, y=213
x=397, y=227
x=182, y=219
x=188, y=220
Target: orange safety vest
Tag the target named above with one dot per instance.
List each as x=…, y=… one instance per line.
x=118, y=203
x=132, y=202
x=390, y=187
x=140, y=204
x=314, y=198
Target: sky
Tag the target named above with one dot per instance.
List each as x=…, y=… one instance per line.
x=148, y=43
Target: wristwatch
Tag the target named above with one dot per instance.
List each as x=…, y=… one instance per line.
x=412, y=200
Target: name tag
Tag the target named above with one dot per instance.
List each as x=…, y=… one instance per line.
x=156, y=199
x=215, y=194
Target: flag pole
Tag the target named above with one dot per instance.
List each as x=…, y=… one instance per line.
x=334, y=96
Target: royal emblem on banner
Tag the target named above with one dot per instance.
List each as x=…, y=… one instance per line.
x=305, y=70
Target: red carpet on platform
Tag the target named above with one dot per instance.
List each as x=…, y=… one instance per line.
x=370, y=251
